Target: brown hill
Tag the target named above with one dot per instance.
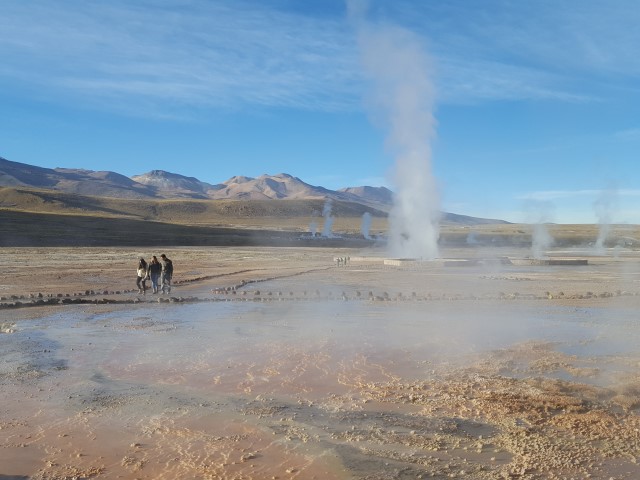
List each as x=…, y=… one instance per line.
x=160, y=184
x=172, y=185
x=182, y=211
x=271, y=187
x=32, y=217
x=370, y=195
x=281, y=202
x=77, y=181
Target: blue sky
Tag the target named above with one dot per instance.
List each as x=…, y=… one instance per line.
x=536, y=103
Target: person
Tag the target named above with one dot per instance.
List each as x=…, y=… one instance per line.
x=167, y=273
x=155, y=268
x=143, y=274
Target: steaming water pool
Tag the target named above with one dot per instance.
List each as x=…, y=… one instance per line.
x=164, y=341
x=152, y=383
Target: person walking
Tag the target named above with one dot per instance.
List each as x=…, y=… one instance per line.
x=155, y=268
x=167, y=273
x=143, y=274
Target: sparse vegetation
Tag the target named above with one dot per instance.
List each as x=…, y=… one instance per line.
x=31, y=217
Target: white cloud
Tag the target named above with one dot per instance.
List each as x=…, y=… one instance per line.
x=546, y=195
x=212, y=54
x=199, y=54
x=567, y=51
x=563, y=37
x=629, y=134
x=471, y=81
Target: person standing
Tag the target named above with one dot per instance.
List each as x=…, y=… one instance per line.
x=143, y=274
x=167, y=273
x=155, y=269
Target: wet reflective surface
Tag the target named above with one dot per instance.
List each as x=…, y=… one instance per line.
x=321, y=389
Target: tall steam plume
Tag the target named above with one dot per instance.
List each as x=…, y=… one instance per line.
x=365, y=225
x=605, y=206
x=539, y=214
x=327, y=228
x=403, y=98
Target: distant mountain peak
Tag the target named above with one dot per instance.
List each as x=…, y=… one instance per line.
x=276, y=187
x=284, y=176
x=238, y=179
x=169, y=184
x=71, y=180
x=163, y=184
x=164, y=174
x=373, y=195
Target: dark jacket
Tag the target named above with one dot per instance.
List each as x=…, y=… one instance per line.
x=167, y=267
x=155, y=268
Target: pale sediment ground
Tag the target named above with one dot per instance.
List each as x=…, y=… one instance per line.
x=304, y=369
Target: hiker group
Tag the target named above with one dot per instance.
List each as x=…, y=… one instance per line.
x=159, y=272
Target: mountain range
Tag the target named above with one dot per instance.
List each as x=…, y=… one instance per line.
x=162, y=185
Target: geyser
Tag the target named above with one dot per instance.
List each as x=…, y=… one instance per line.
x=327, y=228
x=404, y=98
x=540, y=214
x=604, y=207
x=365, y=226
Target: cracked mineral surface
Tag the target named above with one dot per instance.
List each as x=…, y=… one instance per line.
x=288, y=365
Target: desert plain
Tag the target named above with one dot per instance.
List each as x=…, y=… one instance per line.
x=320, y=362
